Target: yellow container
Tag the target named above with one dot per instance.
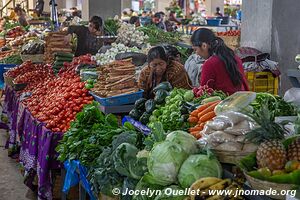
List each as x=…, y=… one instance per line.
x=263, y=82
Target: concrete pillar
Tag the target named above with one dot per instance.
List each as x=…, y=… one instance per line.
x=211, y=6
x=161, y=5
x=125, y=4
x=71, y=3
x=257, y=24
x=85, y=10
x=104, y=8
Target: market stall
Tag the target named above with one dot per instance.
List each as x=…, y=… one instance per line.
x=60, y=107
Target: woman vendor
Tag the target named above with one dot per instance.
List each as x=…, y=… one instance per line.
x=162, y=68
x=21, y=15
x=88, y=38
x=222, y=70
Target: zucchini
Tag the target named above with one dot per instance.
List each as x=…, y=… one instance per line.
x=163, y=86
x=140, y=104
x=135, y=114
x=160, y=96
x=150, y=106
x=63, y=59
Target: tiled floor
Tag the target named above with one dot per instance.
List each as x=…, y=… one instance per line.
x=11, y=180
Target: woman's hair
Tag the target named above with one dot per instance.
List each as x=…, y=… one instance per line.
x=219, y=48
x=97, y=21
x=157, y=53
x=133, y=19
x=171, y=52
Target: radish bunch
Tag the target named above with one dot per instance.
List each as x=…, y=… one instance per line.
x=203, y=90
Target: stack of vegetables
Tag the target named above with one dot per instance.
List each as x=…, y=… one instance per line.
x=144, y=108
x=33, y=47
x=201, y=115
x=60, y=58
x=55, y=44
x=15, y=32
x=110, y=54
x=23, y=39
x=130, y=36
x=13, y=59
x=54, y=100
x=115, y=79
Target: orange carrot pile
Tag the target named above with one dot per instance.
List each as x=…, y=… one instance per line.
x=200, y=116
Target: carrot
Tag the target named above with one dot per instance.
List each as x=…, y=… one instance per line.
x=207, y=116
x=197, y=128
x=196, y=134
x=194, y=113
x=209, y=109
x=193, y=119
x=203, y=107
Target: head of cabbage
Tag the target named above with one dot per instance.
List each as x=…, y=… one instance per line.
x=185, y=140
x=164, y=162
x=196, y=167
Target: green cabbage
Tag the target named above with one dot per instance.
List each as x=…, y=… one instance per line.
x=196, y=167
x=185, y=140
x=164, y=163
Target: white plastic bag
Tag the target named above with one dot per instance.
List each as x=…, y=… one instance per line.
x=293, y=96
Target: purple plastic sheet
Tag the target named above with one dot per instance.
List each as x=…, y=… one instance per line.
x=37, y=145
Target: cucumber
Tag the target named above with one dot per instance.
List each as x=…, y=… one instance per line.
x=210, y=99
x=65, y=55
x=63, y=59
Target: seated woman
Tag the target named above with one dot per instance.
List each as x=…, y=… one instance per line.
x=222, y=70
x=162, y=68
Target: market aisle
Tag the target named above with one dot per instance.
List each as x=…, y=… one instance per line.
x=11, y=180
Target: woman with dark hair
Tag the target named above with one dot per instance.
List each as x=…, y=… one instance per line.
x=88, y=41
x=135, y=20
x=162, y=68
x=222, y=70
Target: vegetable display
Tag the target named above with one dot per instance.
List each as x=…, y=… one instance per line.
x=13, y=59
x=54, y=43
x=110, y=54
x=143, y=108
x=157, y=36
x=174, y=113
x=23, y=39
x=90, y=131
x=201, y=115
x=15, y=32
x=115, y=79
x=130, y=36
x=60, y=58
x=33, y=47
x=111, y=26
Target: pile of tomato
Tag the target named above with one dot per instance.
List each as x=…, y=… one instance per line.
x=54, y=100
x=230, y=33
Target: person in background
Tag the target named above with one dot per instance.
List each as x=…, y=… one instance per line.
x=222, y=70
x=172, y=17
x=135, y=20
x=145, y=19
x=39, y=7
x=239, y=13
x=88, y=41
x=125, y=16
x=159, y=22
x=218, y=12
x=162, y=68
x=21, y=16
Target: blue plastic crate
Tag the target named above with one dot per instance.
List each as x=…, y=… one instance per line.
x=119, y=100
x=3, y=69
x=213, y=22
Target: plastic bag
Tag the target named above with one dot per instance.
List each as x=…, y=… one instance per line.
x=72, y=177
x=293, y=96
x=138, y=125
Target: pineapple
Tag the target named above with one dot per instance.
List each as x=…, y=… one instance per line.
x=293, y=152
x=271, y=152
